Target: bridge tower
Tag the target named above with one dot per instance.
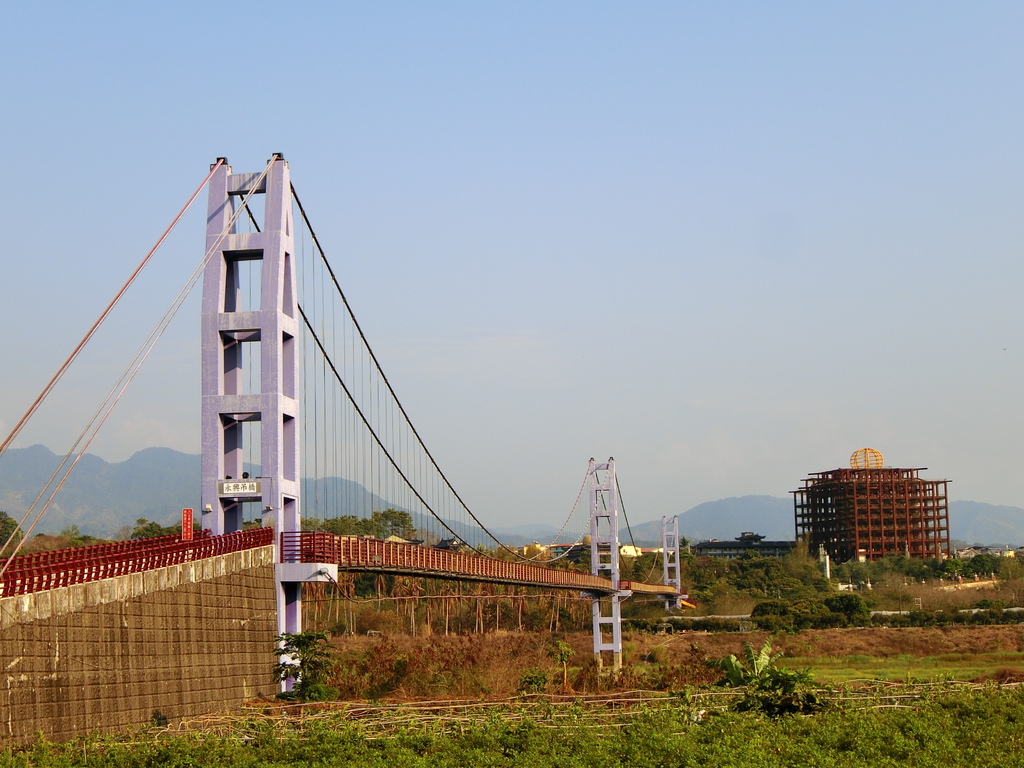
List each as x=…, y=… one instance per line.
x=258, y=324
x=670, y=559
x=251, y=366
x=604, y=559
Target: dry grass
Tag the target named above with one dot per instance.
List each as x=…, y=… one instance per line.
x=406, y=668
x=401, y=668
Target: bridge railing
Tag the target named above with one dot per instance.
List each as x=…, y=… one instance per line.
x=62, y=568
x=358, y=553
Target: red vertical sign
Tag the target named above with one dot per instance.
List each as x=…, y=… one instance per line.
x=186, y=524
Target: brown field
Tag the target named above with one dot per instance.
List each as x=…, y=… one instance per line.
x=493, y=665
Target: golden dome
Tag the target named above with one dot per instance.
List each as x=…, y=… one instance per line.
x=867, y=458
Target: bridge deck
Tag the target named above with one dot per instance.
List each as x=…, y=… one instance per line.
x=363, y=554
x=49, y=570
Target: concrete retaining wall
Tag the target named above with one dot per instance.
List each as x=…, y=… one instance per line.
x=184, y=640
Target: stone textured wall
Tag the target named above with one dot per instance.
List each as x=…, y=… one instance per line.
x=185, y=640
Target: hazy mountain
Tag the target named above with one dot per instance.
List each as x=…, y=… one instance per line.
x=102, y=498
x=970, y=521
x=722, y=519
x=725, y=519
x=978, y=523
x=99, y=497
x=527, y=530
x=522, y=535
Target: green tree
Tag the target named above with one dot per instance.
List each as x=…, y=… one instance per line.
x=643, y=568
x=771, y=689
x=343, y=525
x=148, y=529
x=380, y=524
x=814, y=614
x=393, y=522
x=753, y=670
x=307, y=658
x=849, y=605
x=983, y=565
x=73, y=535
x=9, y=529
x=533, y=680
x=772, y=608
x=954, y=567
x=560, y=652
x=758, y=575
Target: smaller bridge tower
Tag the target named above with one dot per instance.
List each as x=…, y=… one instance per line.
x=604, y=559
x=670, y=559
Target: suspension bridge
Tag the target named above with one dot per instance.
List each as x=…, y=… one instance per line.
x=300, y=423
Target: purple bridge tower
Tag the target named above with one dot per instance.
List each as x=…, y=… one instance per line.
x=251, y=367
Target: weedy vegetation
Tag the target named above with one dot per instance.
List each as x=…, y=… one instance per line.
x=924, y=726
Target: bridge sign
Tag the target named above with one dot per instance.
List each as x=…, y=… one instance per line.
x=237, y=488
x=186, y=524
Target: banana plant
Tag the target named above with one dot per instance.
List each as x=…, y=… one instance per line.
x=755, y=671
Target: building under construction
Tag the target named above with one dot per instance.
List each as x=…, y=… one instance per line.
x=869, y=511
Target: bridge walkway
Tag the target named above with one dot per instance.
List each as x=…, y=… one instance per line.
x=357, y=553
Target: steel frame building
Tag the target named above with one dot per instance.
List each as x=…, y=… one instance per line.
x=868, y=513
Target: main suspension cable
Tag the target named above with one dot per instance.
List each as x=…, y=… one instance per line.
x=629, y=530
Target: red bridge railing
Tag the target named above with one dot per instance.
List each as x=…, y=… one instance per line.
x=48, y=570
x=361, y=554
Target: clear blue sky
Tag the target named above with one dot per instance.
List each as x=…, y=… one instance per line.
x=726, y=243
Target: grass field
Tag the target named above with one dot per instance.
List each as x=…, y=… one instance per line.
x=927, y=727
x=902, y=667
x=843, y=655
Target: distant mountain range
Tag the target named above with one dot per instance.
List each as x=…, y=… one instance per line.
x=770, y=516
x=976, y=523
x=103, y=498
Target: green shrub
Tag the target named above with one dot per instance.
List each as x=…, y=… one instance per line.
x=319, y=692
x=774, y=623
x=772, y=690
x=533, y=680
x=851, y=606
x=308, y=659
x=772, y=608
x=986, y=603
